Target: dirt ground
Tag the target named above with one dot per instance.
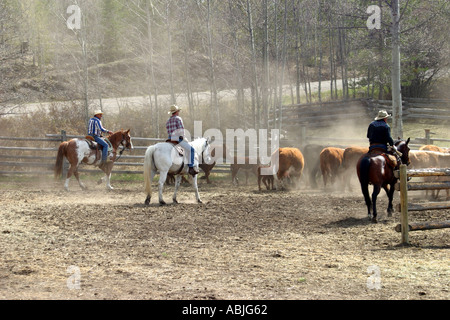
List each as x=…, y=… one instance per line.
x=240, y=243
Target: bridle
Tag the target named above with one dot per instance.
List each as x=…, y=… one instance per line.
x=124, y=139
x=204, y=149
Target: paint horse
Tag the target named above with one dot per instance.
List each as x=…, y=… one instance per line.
x=81, y=150
x=164, y=158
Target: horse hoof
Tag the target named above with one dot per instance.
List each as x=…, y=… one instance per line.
x=162, y=203
x=374, y=220
x=199, y=201
x=147, y=201
x=175, y=201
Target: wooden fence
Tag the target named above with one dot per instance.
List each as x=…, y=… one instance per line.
x=417, y=108
x=403, y=186
x=322, y=114
x=37, y=156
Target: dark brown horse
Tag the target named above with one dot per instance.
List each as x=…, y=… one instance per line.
x=376, y=168
x=78, y=151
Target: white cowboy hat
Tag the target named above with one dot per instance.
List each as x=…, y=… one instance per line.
x=173, y=108
x=382, y=114
x=98, y=111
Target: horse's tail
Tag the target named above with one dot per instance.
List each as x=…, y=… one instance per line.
x=364, y=167
x=62, y=152
x=148, y=163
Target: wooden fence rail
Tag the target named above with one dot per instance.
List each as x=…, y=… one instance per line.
x=323, y=113
x=403, y=186
x=38, y=160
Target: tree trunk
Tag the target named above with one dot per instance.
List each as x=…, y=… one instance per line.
x=151, y=69
x=397, y=122
x=214, y=102
x=255, y=95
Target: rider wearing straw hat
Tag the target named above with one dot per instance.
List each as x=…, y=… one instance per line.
x=379, y=132
x=95, y=130
x=175, y=130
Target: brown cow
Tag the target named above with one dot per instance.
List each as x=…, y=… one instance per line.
x=266, y=179
x=330, y=164
x=436, y=158
x=290, y=164
x=311, y=154
x=430, y=147
x=350, y=159
x=244, y=164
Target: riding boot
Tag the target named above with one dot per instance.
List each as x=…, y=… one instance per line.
x=104, y=163
x=192, y=171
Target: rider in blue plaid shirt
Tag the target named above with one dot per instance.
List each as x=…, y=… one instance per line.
x=175, y=130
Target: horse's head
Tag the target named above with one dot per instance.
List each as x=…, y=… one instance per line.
x=202, y=147
x=126, y=139
x=402, y=146
x=206, y=152
x=123, y=138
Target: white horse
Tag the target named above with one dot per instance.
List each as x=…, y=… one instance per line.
x=163, y=158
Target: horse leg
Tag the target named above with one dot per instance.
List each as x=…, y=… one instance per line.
x=147, y=200
x=107, y=170
x=197, y=195
x=162, y=180
x=177, y=184
x=77, y=175
x=69, y=174
x=390, y=194
x=376, y=191
x=365, y=192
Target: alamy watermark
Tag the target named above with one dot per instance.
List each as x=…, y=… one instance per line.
x=74, y=280
x=259, y=151
x=374, y=279
x=374, y=20
x=74, y=20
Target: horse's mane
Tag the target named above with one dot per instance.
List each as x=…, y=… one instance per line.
x=196, y=141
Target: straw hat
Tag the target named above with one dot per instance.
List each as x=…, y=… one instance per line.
x=382, y=114
x=98, y=111
x=173, y=108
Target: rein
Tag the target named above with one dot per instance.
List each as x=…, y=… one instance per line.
x=120, y=144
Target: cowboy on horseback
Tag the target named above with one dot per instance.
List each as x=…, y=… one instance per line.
x=379, y=132
x=175, y=130
x=95, y=130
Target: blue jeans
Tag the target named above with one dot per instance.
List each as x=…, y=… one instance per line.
x=190, y=152
x=378, y=146
x=102, y=142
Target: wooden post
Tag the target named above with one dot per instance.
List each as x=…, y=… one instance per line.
x=404, y=204
x=427, y=137
x=302, y=136
x=426, y=226
x=65, y=164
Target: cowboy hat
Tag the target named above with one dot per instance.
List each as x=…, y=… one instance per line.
x=382, y=114
x=173, y=108
x=98, y=111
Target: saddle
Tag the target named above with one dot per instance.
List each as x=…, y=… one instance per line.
x=97, y=147
x=391, y=160
x=177, y=147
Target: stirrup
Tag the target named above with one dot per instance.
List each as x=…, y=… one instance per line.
x=192, y=171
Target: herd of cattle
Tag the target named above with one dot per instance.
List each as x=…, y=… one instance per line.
x=336, y=165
